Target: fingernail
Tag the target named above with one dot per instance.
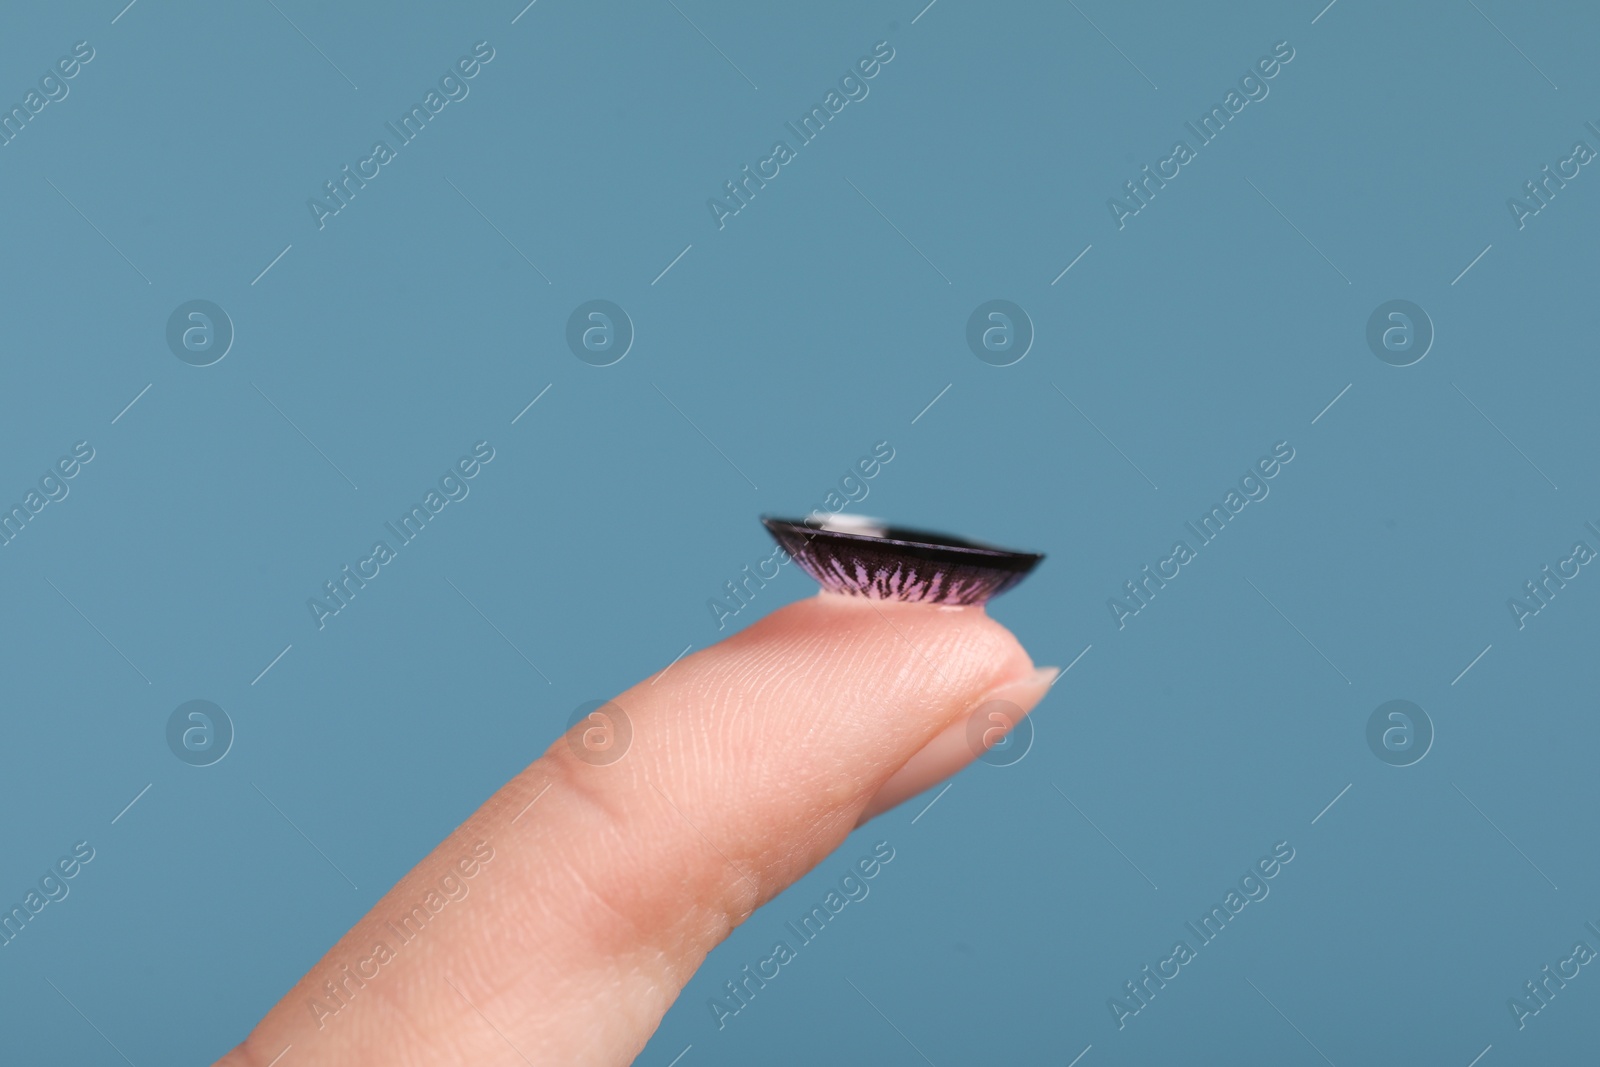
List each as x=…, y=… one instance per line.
x=989, y=722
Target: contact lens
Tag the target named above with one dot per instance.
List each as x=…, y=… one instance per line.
x=868, y=557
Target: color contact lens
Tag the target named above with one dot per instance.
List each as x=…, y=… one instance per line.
x=867, y=557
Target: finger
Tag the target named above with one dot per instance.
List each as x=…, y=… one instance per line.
x=963, y=741
x=596, y=890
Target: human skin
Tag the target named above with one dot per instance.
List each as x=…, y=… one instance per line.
x=750, y=762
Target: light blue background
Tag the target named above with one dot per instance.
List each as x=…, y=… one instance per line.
x=808, y=328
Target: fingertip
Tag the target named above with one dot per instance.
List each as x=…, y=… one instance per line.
x=991, y=720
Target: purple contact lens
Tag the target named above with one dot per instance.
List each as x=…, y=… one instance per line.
x=867, y=557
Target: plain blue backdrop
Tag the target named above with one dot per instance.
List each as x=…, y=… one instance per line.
x=423, y=317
